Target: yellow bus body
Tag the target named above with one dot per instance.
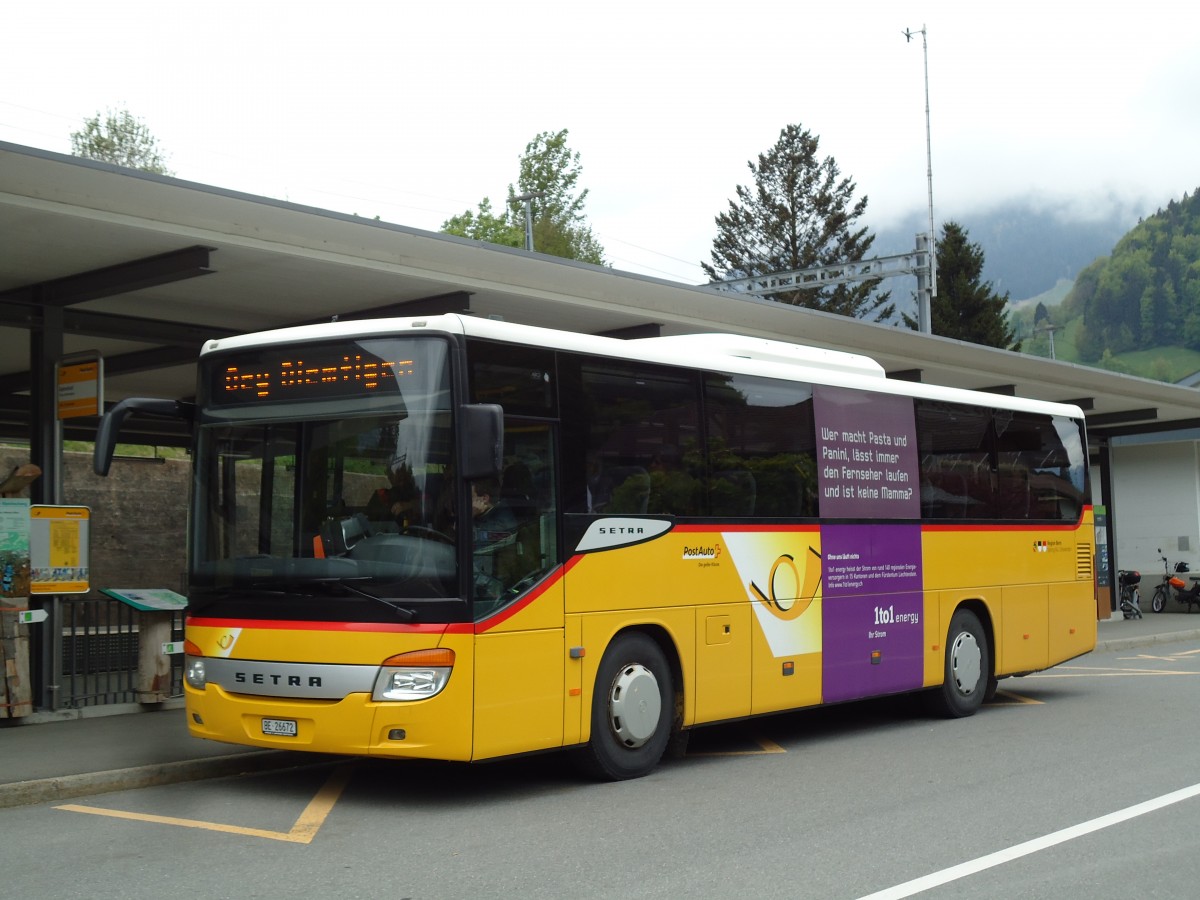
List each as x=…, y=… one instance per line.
x=722, y=601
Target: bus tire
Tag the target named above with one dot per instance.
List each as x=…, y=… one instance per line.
x=632, y=709
x=968, y=669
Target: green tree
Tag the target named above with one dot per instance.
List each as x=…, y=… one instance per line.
x=798, y=214
x=118, y=137
x=486, y=225
x=550, y=171
x=966, y=308
x=1147, y=293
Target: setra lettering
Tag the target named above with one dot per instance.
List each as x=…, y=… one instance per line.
x=272, y=678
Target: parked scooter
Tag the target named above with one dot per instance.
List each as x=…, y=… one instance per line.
x=1131, y=601
x=1183, y=593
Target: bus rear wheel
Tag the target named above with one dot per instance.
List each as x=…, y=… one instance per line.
x=968, y=669
x=632, y=710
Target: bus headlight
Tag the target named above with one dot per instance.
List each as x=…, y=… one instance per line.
x=193, y=672
x=413, y=676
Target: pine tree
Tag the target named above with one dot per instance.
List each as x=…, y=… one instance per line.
x=799, y=213
x=966, y=308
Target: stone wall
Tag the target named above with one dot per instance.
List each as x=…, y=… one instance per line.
x=138, y=520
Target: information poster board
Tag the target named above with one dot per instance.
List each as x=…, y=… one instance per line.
x=58, y=549
x=14, y=547
x=147, y=599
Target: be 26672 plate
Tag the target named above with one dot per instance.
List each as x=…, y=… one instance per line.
x=279, y=727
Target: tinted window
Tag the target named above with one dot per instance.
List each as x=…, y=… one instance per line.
x=642, y=440
x=761, y=445
x=980, y=463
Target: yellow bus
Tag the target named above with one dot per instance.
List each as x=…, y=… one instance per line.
x=462, y=539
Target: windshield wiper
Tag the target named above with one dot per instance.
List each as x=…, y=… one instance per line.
x=306, y=586
x=403, y=613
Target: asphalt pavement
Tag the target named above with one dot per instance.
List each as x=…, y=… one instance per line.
x=56, y=756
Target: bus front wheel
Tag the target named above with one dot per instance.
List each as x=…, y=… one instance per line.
x=967, y=672
x=632, y=710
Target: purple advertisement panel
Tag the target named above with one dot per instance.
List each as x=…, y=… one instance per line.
x=873, y=633
x=866, y=455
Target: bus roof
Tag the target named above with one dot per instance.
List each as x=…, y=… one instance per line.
x=732, y=353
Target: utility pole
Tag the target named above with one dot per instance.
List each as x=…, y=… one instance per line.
x=527, y=198
x=925, y=298
x=1049, y=329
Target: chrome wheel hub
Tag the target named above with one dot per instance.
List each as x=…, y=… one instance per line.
x=966, y=661
x=634, y=705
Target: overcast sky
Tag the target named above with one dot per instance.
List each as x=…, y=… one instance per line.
x=415, y=111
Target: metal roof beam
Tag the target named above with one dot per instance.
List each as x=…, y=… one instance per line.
x=1121, y=418
x=109, y=281
x=634, y=332
x=1084, y=403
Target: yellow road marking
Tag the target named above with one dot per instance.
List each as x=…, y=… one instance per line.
x=1016, y=700
x=303, y=832
x=766, y=745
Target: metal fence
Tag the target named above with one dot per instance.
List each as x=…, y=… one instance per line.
x=98, y=662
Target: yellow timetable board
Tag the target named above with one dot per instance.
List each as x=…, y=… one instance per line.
x=58, y=549
x=80, y=388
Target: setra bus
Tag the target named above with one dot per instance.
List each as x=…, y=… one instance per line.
x=461, y=539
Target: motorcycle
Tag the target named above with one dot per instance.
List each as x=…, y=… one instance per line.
x=1183, y=593
x=1131, y=601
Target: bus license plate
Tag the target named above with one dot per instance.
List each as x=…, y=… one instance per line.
x=279, y=727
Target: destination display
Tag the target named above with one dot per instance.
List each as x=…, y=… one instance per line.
x=316, y=373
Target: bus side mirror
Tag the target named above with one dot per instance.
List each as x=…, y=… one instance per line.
x=483, y=440
x=110, y=425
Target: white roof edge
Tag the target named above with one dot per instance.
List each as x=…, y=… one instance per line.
x=746, y=347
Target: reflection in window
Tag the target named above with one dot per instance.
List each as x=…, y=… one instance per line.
x=643, y=444
x=955, y=441
x=981, y=463
x=762, y=447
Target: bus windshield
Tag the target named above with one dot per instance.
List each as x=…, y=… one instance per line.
x=324, y=481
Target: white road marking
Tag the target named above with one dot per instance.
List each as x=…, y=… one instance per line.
x=962, y=870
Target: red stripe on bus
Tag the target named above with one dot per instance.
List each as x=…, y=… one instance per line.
x=509, y=611
x=367, y=627
x=711, y=529
x=976, y=528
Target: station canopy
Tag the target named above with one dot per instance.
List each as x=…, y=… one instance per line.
x=143, y=269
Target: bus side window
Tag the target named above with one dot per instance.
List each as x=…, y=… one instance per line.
x=761, y=447
x=957, y=476
x=642, y=445
x=527, y=490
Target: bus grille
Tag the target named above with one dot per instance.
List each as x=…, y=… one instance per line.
x=1083, y=562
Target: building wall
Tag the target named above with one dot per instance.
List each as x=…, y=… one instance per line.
x=1156, y=504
